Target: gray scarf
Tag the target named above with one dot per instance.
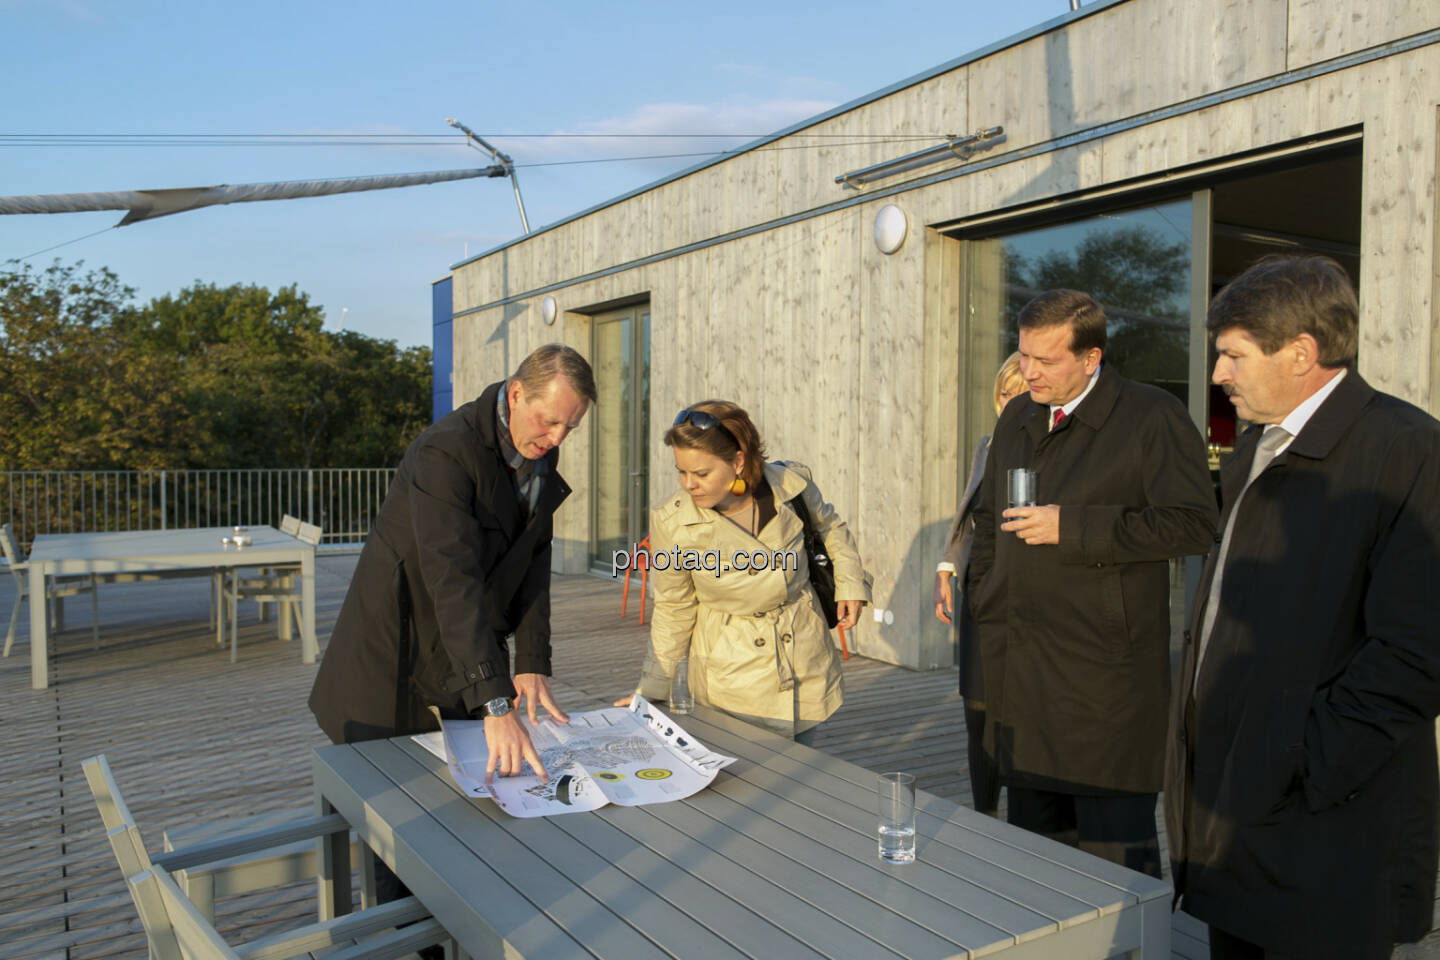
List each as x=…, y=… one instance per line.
x=529, y=474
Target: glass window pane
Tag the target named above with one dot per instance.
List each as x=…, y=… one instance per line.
x=614, y=380
x=1136, y=263
x=640, y=459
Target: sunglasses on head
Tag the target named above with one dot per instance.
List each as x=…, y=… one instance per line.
x=701, y=420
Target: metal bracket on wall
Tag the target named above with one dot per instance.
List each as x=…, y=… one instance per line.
x=954, y=147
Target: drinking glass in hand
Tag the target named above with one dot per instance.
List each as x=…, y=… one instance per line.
x=895, y=803
x=680, y=699
x=1020, y=486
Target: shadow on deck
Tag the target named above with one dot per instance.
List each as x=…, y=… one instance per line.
x=192, y=738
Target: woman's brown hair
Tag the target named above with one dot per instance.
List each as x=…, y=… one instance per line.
x=733, y=433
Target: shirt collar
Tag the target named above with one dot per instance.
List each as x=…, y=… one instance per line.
x=1296, y=419
x=1069, y=408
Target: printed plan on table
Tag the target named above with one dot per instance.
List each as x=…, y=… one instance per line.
x=627, y=755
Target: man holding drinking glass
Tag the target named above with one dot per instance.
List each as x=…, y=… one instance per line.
x=1071, y=593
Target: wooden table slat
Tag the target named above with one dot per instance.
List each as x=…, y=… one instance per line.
x=830, y=773
x=618, y=913
x=753, y=843
x=778, y=906
x=729, y=919
x=748, y=931
x=376, y=801
x=925, y=895
x=760, y=893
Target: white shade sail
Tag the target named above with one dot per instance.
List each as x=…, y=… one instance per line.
x=147, y=204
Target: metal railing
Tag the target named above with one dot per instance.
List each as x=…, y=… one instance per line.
x=342, y=501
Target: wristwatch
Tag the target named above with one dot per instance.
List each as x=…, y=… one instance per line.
x=497, y=707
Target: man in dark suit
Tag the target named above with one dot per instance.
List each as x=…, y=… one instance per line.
x=458, y=560
x=1301, y=783
x=1071, y=597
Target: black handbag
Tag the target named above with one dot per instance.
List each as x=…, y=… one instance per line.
x=822, y=572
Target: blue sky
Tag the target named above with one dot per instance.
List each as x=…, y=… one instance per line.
x=106, y=67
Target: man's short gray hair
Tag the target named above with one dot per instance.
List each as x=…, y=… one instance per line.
x=556, y=360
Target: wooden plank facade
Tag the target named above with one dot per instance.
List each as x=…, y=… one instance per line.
x=762, y=283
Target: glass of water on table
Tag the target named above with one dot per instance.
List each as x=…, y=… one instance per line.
x=680, y=699
x=895, y=803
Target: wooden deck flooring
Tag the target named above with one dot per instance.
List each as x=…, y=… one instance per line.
x=192, y=738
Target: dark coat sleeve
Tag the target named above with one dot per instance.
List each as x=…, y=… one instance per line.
x=532, y=633
x=1389, y=690
x=448, y=518
x=1179, y=516
x=983, y=513
x=956, y=542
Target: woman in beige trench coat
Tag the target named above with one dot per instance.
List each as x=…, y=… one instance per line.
x=732, y=583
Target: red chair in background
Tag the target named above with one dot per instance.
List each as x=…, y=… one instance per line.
x=642, y=560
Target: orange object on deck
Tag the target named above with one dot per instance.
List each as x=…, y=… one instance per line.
x=641, y=560
x=844, y=650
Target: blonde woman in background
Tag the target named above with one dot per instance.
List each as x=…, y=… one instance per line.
x=757, y=641
x=950, y=580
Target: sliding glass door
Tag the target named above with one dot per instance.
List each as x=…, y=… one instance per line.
x=621, y=358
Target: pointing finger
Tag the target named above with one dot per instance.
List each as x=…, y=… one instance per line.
x=551, y=707
x=535, y=764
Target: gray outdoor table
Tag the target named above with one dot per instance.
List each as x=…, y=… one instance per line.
x=155, y=551
x=777, y=858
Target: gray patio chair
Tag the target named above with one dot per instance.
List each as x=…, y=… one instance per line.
x=288, y=524
x=177, y=928
x=56, y=590
x=287, y=863
x=277, y=585
x=183, y=934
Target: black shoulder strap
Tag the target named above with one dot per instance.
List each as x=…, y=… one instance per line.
x=803, y=512
x=814, y=543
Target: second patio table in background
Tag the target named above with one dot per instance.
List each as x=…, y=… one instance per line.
x=155, y=551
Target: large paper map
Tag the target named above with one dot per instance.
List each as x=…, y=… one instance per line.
x=627, y=755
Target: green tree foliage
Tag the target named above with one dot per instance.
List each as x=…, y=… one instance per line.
x=1142, y=280
x=211, y=377
x=1132, y=266
x=368, y=401
x=1144, y=283
x=75, y=396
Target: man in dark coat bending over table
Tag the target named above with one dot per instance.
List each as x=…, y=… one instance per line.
x=1071, y=597
x=1301, y=784
x=458, y=560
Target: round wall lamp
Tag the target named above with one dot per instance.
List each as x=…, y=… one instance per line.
x=548, y=309
x=890, y=228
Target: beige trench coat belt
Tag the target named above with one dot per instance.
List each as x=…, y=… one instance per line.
x=768, y=634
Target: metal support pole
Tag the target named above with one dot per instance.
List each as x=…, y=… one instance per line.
x=507, y=167
x=515, y=182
